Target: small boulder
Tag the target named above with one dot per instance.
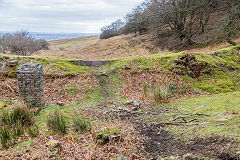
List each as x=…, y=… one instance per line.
x=54, y=144
x=107, y=135
x=136, y=103
x=12, y=63
x=60, y=103
x=129, y=102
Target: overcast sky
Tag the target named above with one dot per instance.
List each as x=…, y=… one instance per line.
x=69, y=16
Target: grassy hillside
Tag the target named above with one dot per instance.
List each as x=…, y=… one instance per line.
x=72, y=43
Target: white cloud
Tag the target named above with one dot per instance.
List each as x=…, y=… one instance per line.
x=62, y=15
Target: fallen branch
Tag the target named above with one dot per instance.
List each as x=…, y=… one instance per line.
x=176, y=123
x=198, y=127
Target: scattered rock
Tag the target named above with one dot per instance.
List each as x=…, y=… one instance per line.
x=52, y=156
x=129, y=102
x=12, y=63
x=106, y=112
x=189, y=156
x=113, y=106
x=136, y=103
x=60, y=103
x=115, y=110
x=36, y=157
x=126, y=109
x=114, y=137
x=107, y=135
x=54, y=144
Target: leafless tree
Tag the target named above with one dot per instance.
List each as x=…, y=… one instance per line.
x=21, y=43
x=137, y=20
x=112, y=30
x=230, y=26
x=181, y=18
x=182, y=22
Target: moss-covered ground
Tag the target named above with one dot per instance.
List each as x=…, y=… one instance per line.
x=211, y=115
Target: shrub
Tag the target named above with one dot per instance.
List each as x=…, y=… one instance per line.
x=56, y=122
x=81, y=124
x=21, y=43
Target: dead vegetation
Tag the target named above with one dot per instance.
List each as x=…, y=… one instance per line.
x=115, y=47
x=63, y=91
x=82, y=146
x=144, y=86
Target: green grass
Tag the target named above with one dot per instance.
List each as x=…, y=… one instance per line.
x=2, y=104
x=66, y=111
x=81, y=124
x=22, y=147
x=223, y=111
x=14, y=123
x=56, y=66
x=56, y=122
x=79, y=43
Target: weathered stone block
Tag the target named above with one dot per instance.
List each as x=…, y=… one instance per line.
x=30, y=83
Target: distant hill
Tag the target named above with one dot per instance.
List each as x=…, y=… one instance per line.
x=55, y=36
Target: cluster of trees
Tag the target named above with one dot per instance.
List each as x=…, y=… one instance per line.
x=21, y=43
x=181, y=20
x=112, y=30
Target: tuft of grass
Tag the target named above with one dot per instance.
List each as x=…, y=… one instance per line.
x=160, y=93
x=145, y=89
x=81, y=124
x=17, y=129
x=56, y=122
x=21, y=116
x=14, y=123
x=18, y=116
x=33, y=131
x=5, y=136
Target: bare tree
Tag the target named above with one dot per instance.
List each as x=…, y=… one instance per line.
x=137, y=20
x=112, y=30
x=181, y=18
x=21, y=43
x=231, y=22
